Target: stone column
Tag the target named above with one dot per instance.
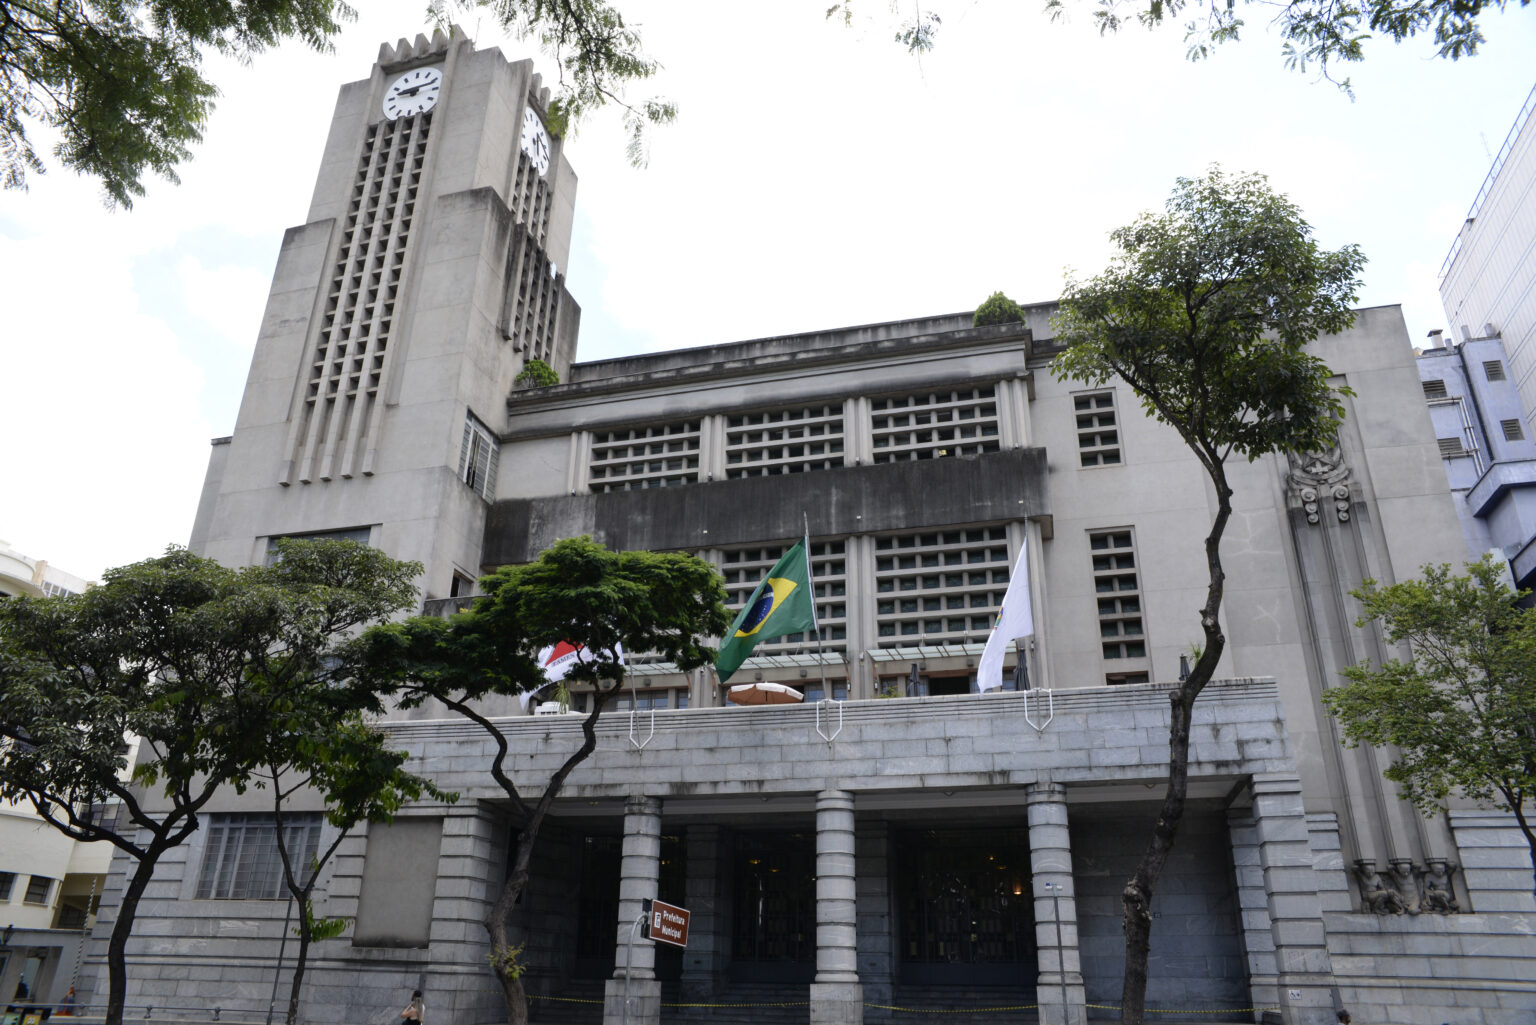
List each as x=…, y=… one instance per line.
x=634, y=980
x=706, y=898
x=1059, y=989
x=836, y=996
x=1304, y=971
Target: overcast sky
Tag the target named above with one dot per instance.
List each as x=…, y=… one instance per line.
x=817, y=177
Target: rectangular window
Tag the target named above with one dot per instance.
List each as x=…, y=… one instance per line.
x=7, y=880
x=1098, y=433
x=477, y=458
x=1434, y=389
x=1450, y=448
x=1512, y=430
x=38, y=889
x=242, y=862
x=1117, y=587
x=1493, y=369
x=358, y=534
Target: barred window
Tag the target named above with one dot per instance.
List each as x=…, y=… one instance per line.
x=784, y=441
x=1098, y=433
x=1118, y=589
x=38, y=889
x=242, y=862
x=1434, y=389
x=1493, y=369
x=962, y=422
x=7, y=880
x=939, y=587
x=478, y=456
x=1512, y=430
x=664, y=455
x=745, y=568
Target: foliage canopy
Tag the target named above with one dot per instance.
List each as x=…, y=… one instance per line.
x=1461, y=710
x=208, y=667
x=997, y=308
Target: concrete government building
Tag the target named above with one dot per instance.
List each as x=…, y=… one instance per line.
x=917, y=846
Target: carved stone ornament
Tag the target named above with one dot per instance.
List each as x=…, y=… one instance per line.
x=1320, y=481
x=1376, y=894
x=1439, y=899
x=1405, y=879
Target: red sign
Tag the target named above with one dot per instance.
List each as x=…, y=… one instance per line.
x=668, y=924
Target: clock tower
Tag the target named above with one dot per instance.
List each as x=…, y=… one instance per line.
x=429, y=271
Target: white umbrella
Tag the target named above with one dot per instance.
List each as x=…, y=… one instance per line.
x=763, y=694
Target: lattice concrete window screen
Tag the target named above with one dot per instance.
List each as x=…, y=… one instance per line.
x=478, y=456
x=1434, y=389
x=939, y=587
x=784, y=441
x=1512, y=430
x=665, y=455
x=530, y=199
x=1117, y=587
x=334, y=433
x=1098, y=433
x=1493, y=369
x=961, y=422
x=744, y=569
x=532, y=297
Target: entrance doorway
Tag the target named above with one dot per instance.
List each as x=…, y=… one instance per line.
x=774, y=919
x=965, y=907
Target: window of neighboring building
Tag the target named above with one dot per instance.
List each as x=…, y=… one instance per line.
x=1450, y=447
x=7, y=880
x=38, y=888
x=1098, y=435
x=242, y=862
x=478, y=456
x=1118, y=588
x=1434, y=389
x=1121, y=679
x=1494, y=369
x=1512, y=430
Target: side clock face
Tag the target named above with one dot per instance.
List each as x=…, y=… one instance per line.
x=535, y=141
x=414, y=92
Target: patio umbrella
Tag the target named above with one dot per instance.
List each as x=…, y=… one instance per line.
x=763, y=694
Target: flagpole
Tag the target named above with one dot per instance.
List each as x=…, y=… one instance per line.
x=810, y=581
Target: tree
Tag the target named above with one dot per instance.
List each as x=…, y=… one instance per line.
x=577, y=592
x=1205, y=314
x=1461, y=711
x=202, y=663
x=122, y=86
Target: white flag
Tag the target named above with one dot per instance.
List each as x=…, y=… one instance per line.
x=1014, y=620
x=557, y=660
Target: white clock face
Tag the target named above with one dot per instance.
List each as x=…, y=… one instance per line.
x=413, y=93
x=535, y=141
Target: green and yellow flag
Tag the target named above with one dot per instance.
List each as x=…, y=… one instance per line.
x=782, y=604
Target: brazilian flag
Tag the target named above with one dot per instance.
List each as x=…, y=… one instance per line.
x=782, y=604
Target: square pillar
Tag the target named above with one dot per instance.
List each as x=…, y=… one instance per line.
x=633, y=995
x=1059, y=987
x=1304, y=973
x=836, y=996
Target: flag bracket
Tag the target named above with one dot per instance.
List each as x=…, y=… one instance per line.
x=632, y=731
x=833, y=735
x=1050, y=697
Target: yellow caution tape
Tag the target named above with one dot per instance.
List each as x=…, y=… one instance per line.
x=954, y=1010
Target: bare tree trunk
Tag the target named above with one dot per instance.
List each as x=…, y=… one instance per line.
x=122, y=928
x=300, y=962
x=1137, y=896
